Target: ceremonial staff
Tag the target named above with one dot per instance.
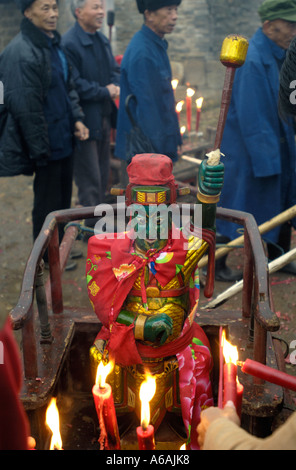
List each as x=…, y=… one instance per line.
x=233, y=55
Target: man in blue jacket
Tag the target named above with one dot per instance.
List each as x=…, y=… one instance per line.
x=260, y=147
x=96, y=76
x=41, y=111
x=146, y=74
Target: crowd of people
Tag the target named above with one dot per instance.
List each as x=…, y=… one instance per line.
x=59, y=109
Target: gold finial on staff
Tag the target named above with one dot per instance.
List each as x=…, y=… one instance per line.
x=234, y=51
x=233, y=55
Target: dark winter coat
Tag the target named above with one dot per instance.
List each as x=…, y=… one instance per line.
x=26, y=74
x=91, y=74
x=146, y=74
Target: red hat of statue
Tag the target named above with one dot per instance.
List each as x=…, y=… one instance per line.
x=153, y=170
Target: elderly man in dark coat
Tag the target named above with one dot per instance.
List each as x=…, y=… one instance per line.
x=96, y=75
x=41, y=110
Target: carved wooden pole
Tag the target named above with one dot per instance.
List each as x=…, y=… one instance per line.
x=233, y=55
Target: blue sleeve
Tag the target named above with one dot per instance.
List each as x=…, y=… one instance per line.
x=145, y=85
x=151, y=85
x=257, y=115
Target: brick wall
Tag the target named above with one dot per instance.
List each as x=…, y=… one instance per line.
x=197, y=39
x=10, y=19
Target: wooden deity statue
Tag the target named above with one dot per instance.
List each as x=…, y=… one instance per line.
x=144, y=289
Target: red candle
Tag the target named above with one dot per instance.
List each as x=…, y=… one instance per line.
x=269, y=374
x=146, y=438
x=104, y=404
x=239, y=397
x=190, y=93
x=179, y=107
x=174, y=83
x=230, y=390
x=145, y=432
x=221, y=362
x=199, y=103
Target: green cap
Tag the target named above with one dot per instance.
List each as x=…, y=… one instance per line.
x=278, y=10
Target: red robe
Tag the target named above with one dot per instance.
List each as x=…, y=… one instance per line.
x=14, y=425
x=112, y=268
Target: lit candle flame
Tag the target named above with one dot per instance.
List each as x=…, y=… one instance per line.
x=199, y=102
x=179, y=106
x=102, y=372
x=53, y=422
x=147, y=391
x=190, y=92
x=175, y=83
x=183, y=130
x=183, y=447
x=229, y=351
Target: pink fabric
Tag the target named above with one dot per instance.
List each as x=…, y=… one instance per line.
x=14, y=425
x=195, y=363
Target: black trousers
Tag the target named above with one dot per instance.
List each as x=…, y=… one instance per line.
x=52, y=191
x=91, y=170
x=284, y=242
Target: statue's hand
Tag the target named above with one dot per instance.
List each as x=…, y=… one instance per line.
x=158, y=328
x=210, y=178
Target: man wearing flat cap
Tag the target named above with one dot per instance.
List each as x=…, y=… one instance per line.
x=41, y=110
x=260, y=146
x=146, y=74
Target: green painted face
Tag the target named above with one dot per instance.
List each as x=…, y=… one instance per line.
x=152, y=225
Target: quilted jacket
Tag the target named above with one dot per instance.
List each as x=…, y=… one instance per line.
x=25, y=71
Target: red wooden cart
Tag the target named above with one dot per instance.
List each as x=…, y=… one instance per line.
x=56, y=338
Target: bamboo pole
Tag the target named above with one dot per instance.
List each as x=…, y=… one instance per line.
x=264, y=228
x=273, y=266
x=194, y=160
